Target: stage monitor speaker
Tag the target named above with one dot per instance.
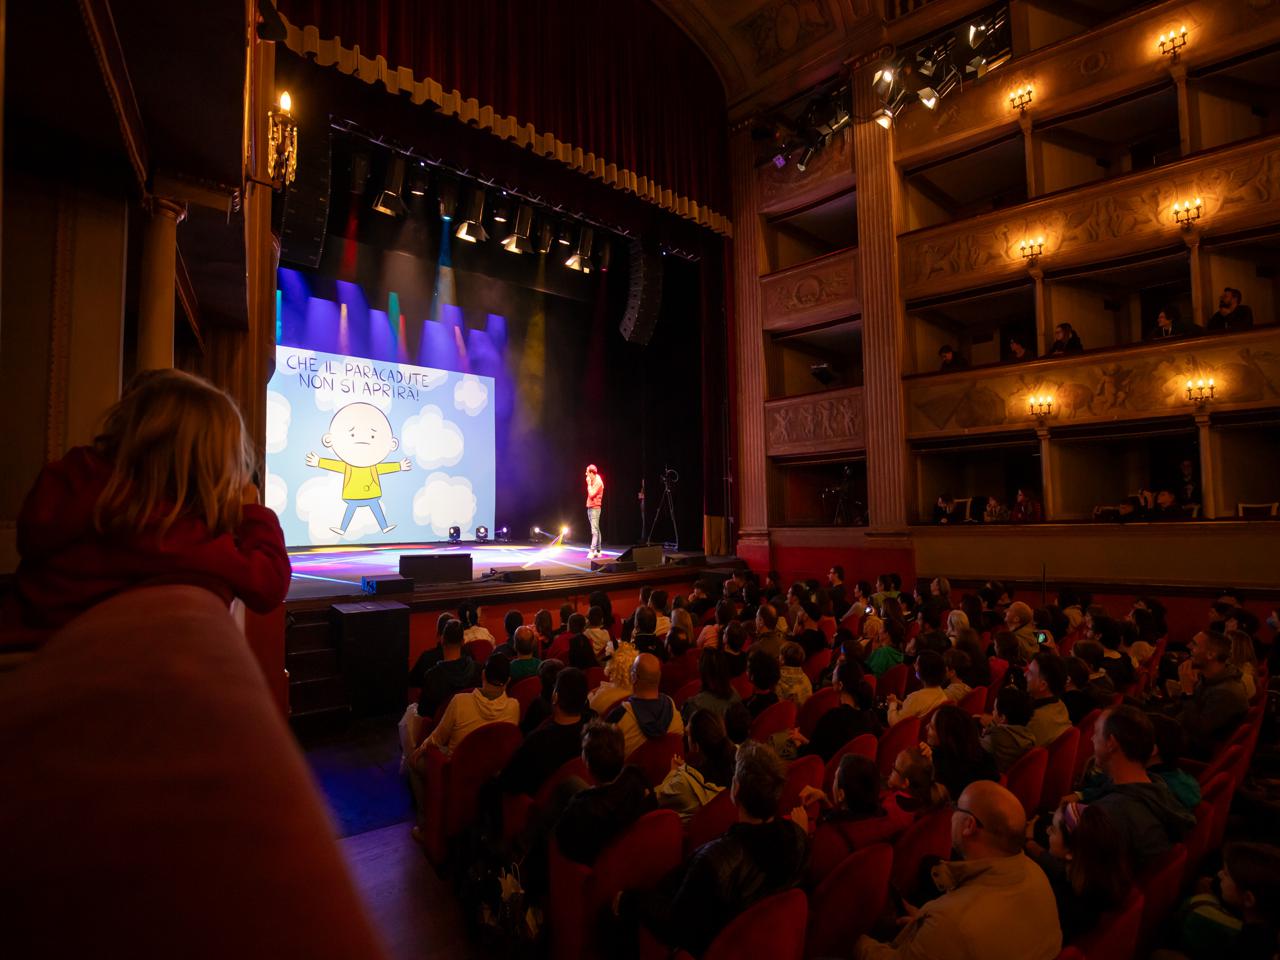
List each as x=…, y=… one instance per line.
x=521, y=576
x=614, y=566
x=643, y=556
x=644, y=298
x=436, y=567
x=373, y=654
x=306, y=202
x=381, y=586
x=688, y=560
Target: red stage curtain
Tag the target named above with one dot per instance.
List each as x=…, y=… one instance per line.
x=618, y=80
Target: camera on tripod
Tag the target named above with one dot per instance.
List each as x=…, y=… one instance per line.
x=669, y=477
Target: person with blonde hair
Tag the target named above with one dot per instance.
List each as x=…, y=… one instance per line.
x=164, y=495
x=617, y=679
x=957, y=620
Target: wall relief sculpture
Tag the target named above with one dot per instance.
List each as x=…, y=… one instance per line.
x=822, y=290
x=819, y=423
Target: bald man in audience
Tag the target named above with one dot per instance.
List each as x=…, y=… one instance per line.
x=995, y=901
x=648, y=712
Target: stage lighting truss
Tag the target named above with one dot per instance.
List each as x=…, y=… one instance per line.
x=822, y=119
x=455, y=534
x=472, y=228
x=518, y=241
x=580, y=259
x=390, y=200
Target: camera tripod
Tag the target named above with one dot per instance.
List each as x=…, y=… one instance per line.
x=669, y=479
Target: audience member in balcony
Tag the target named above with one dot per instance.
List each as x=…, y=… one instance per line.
x=760, y=855
x=1237, y=915
x=969, y=642
x=1211, y=695
x=996, y=511
x=1186, y=485
x=949, y=359
x=1065, y=341
x=648, y=712
x=1047, y=682
x=794, y=684
x=526, y=663
x=944, y=510
x=853, y=817
x=1148, y=815
x=852, y=718
x=1019, y=349
x=764, y=672
x=597, y=633
x=470, y=711
x=596, y=815
x=717, y=693
x=617, y=683
x=1168, y=326
x=1231, y=315
x=554, y=742
x=455, y=671
x=644, y=636
x=539, y=708
x=931, y=670
x=995, y=901
x=955, y=748
x=705, y=770
x=1019, y=620
x=1085, y=864
x=1007, y=736
x=1158, y=505
x=1027, y=508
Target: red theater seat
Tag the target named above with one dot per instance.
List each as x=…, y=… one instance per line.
x=849, y=901
x=804, y=772
x=516, y=808
x=974, y=702
x=864, y=746
x=713, y=820
x=1025, y=778
x=999, y=668
x=928, y=836
x=451, y=784
x=1084, y=752
x=774, y=719
x=690, y=689
x=1060, y=768
x=1160, y=884
x=903, y=734
x=1115, y=936
x=773, y=928
x=828, y=698
x=654, y=756
x=893, y=680
x=524, y=692
x=814, y=666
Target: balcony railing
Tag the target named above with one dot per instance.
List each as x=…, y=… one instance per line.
x=811, y=293
x=790, y=188
x=831, y=422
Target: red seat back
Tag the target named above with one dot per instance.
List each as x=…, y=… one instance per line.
x=930, y=835
x=480, y=651
x=893, y=680
x=814, y=666
x=773, y=927
x=998, y=667
x=804, y=772
x=1084, y=751
x=863, y=745
x=524, y=692
x=849, y=901
x=1061, y=768
x=828, y=698
x=1160, y=884
x=1197, y=840
x=690, y=689
x=517, y=808
x=654, y=756
x=1218, y=793
x=974, y=702
x=451, y=785
x=742, y=683
x=712, y=821
x=1025, y=778
x=679, y=671
x=1224, y=761
x=1115, y=935
x=774, y=719
x=903, y=734
x=595, y=677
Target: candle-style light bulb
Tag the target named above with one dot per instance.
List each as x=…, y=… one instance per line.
x=1211, y=381
x=286, y=101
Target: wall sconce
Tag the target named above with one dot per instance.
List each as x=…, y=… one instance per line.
x=1021, y=99
x=282, y=143
x=1200, y=391
x=1040, y=407
x=1171, y=43
x=1030, y=250
x=1187, y=212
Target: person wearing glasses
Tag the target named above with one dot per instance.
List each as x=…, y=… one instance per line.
x=995, y=901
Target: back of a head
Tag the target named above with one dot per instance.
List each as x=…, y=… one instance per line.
x=768, y=616
x=548, y=672
x=1091, y=652
x=571, y=691
x=737, y=722
x=542, y=623
x=1014, y=705
x=595, y=617
x=1007, y=647
x=1020, y=612
x=758, y=779
x=577, y=623
x=646, y=673
x=931, y=669
x=1108, y=632
x=724, y=612
x=1255, y=869
x=511, y=621
x=763, y=670
x=442, y=621
x=566, y=611
x=917, y=770
x=646, y=620
x=1169, y=738
x=713, y=671
x=1077, y=671
x=525, y=641
x=604, y=750
x=1099, y=861
x=1217, y=646
x=467, y=614
x=497, y=670
x=792, y=654
x=957, y=661
x=734, y=637
x=859, y=779
x=1132, y=731
x=848, y=674
x=706, y=731
x=957, y=733
x=658, y=600
x=1004, y=824
x=452, y=636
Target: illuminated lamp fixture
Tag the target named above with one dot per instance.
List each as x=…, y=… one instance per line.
x=501, y=210
x=502, y=536
x=1200, y=391
x=518, y=241
x=987, y=41
x=564, y=531
x=883, y=80
x=1187, y=212
x=940, y=88
x=894, y=106
x=482, y=534
x=546, y=237
x=390, y=200
x=447, y=192
x=780, y=158
x=1030, y=250
x=472, y=228
x=1040, y=406
x=418, y=179
x=565, y=236
x=580, y=259
x=535, y=534
x=1171, y=43
x=455, y=534
x=883, y=117
x=282, y=143
x=1021, y=99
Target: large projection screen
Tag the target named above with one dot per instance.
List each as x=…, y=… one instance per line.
x=363, y=451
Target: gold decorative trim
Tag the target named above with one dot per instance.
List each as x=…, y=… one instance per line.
x=330, y=52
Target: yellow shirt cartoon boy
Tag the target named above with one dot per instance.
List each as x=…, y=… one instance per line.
x=361, y=438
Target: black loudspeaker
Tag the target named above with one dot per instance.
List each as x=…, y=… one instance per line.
x=688, y=560
x=643, y=557
x=614, y=566
x=381, y=586
x=306, y=202
x=373, y=654
x=436, y=568
x=521, y=576
x=644, y=299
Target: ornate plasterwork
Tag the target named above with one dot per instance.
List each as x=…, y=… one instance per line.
x=817, y=423
x=789, y=188
x=821, y=290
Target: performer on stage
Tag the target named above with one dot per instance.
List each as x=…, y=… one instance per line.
x=595, y=498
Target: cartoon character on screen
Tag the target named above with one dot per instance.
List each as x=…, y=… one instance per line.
x=361, y=439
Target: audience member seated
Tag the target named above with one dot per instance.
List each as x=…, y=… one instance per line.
x=526, y=662
x=1027, y=508
x=544, y=631
x=617, y=680
x=807, y=633
x=944, y=511
x=469, y=614
x=658, y=601
x=949, y=359
x=764, y=672
x=717, y=693
x=1065, y=341
x=553, y=743
x=794, y=684
x=836, y=591
x=996, y=511
x=761, y=854
x=1007, y=737
x=853, y=817
x=595, y=815
x=470, y=711
x=1231, y=314
x=1163, y=765
x=955, y=748
x=513, y=620
x=1148, y=815
x=566, y=611
x=647, y=713
x=1239, y=915
x=563, y=642
x=995, y=901
x=886, y=652
x=969, y=642
x=1047, y=682
x=737, y=724
x=429, y=658
x=1080, y=699
x=706, y=769
x=1169, y=325
x=768, y=637
x=931, y=670
x=1086, y=865
x=851, y=718
x=1020, y=622
x=1020, y=350
x=956, y=663
x=1212, y=699
x=1245, y=659
x=597, y=634
x=539, y=709
x=644, y=636
x=733, y=644
x=455, y=671
x=913, y=785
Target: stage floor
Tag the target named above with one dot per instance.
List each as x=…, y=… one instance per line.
x=336, y=571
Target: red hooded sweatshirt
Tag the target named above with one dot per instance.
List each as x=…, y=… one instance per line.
x=67, y=566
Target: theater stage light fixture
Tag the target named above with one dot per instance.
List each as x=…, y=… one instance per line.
x=518, y=241
x=482, y=534
x=390, y=200
x=455, y=534
x=580, y=259
x=472, y=228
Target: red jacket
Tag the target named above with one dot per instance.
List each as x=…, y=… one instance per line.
x=67, y=566
x=595, y=492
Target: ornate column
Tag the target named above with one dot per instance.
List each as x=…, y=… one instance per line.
x=1208, y=467
x=1031, y=155
x=882, y=334
x=1048, y=488
x=156, y=285
x=749, y=389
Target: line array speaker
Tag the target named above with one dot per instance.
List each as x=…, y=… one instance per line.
x=644, y=299
x=306, y=202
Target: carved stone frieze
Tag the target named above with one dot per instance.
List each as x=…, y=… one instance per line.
x=814, y=292
x=781, y=28
x=830, y=172
x=817, y=423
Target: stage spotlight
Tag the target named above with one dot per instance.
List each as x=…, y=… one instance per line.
x=535, y=534
x=472, y=228
x=455, y=534
x=806, y=158
x=988, y=41
x=502, y=535
x=565, y=236
x=518, y=241
x=501, y=210
x=546, y=237
x=564, y=531
x=447, y=191
x=884, y=79
x=359, y=172
x=389, y=200
x=418, y=179
x=482, y=534
x=949, y=80
x=580, y=260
